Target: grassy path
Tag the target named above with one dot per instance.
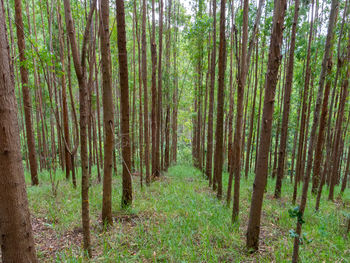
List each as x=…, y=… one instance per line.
x=179, y=219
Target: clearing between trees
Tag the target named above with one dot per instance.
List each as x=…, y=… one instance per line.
x=179, y=219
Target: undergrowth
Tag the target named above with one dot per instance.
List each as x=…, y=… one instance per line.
x=179, y=219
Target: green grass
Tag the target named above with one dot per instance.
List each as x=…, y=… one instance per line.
x=179, y=219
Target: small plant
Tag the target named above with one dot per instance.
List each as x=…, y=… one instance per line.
x=295, y=213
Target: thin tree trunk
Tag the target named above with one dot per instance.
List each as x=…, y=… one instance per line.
x=209, y=160
x=266, y=124
x=80, y=68
x=218, y=163
x=145, y=91
x=26, y=93
x=286, y=108
x=328, y=45
x=154, y=122
x=108, y=116
x=124, y=104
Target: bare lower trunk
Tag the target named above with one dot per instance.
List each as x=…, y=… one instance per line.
x=218, y=163
x=265, y=137
x=124, y=104
x=285, y=118
x=26, y=93
x=108, y=116
x=17, y=242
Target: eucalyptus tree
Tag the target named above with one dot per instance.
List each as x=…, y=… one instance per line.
x=124, y=105
x=80, y=70
x=17, y=242
x=26, y=93
x=108, y=112
x=266, y=125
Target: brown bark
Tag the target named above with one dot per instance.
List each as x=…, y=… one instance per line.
x=140, y=93
x=145, y=90
x=338, y=133
x=26, y=93
x=209, y=160
x=154, y=122
x=108, y=116
x=252, y=116
x=124, y=104
x=286, y=108
x=17, y=242
x=266, y=125
x=242, y=71
x=328, y=45
x=160, y=82
x=80, y=68
x=175, y=99
x=218, y=156
x=298, y=170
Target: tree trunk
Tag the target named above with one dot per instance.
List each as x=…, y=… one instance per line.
x=80, y=68
x=286, y=108
x=242, y=69
x=124, y=104
x=145, y=91
x=17, y=242
x=328, y=45
x=26, y=93
x=209, y=160
x=154, y=122
x=108, y=113
x=266, y=125
x=220, y=103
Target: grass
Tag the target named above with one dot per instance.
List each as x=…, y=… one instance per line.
x=179, y=219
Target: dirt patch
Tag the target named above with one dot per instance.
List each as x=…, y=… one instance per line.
x=129, y=219
x=48, y=242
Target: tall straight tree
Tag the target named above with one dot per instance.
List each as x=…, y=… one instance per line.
x=26, y=93
x=239, y=113
x=124, y=104
x=160, y=82
x=145, y=91
x=286, y=105
x=155, y=149
x=218, y=163
x=108, y=112
x=266, y=125
x=80, y=70
x=17, y=242
x=209, y=160
x=327, y=52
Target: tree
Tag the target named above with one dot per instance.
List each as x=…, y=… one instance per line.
x=80, y=70
x=26, y=93
x=145, y=90
x=124, y=104
x=287, y=94
x=209, y=161
x=154, y=122
x=242, y=71
x=108, y=113
x=17, y=242
x=266, y=124
x=328, y=45
x=218, y=157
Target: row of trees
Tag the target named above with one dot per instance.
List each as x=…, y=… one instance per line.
x=50, y=50
x=319, y=151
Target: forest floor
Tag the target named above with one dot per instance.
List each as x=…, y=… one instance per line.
x=179, y=219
